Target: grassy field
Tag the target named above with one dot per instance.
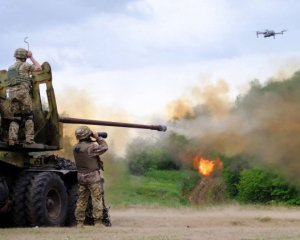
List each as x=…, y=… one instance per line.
x=157, y=187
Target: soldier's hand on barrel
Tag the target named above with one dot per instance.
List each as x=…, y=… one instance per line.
x=29, y=54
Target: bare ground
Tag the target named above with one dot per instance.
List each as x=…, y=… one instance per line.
x=222, y=222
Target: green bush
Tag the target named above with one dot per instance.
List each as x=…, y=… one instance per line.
x=233, y=166
x=164, y=154
x=151, y=159
x=259, y=186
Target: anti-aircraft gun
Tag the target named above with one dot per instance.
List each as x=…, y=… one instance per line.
x=38, y=188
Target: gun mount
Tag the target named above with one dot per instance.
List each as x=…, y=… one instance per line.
x=28, y=173
x=48, y=123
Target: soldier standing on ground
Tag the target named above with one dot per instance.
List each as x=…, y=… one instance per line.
x=90, y=179
x=19, y=86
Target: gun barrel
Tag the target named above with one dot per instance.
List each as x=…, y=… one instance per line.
x=161, y=128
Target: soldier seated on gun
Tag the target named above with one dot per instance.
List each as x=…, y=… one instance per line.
x=90, y=179
x=19, y=85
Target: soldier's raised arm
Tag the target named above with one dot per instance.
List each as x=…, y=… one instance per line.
x=100, y=148
x=37, y=66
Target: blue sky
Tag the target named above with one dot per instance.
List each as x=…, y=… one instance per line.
x=139, y=55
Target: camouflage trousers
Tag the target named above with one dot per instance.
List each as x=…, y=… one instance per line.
x=20, y=99
x=94, y=190
x=21, y=105
x=14, y=130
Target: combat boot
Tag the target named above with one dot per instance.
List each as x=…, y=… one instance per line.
x=12, y=142
x=29, y=141
x=80, y=224
x=98, y=223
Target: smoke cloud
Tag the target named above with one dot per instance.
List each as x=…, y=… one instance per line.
x=263, y=123
x=77, y=103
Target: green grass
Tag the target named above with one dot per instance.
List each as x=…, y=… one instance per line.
x=168, y=188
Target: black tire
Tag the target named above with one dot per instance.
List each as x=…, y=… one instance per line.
x=6, y=220
x=72, y=199
x=20, y=188
x=47, y=200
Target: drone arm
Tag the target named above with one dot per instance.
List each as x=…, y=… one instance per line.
x=257, y=33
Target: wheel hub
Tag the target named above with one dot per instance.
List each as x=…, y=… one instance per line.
x=53, y=203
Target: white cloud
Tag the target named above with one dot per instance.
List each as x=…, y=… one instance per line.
x=179, y=23
x=147, y=90
x=146, y=54
x=149, y=32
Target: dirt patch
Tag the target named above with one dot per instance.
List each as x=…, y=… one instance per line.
x=208, y=190
x=222, y=222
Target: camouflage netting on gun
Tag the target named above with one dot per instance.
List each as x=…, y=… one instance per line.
x=60, y=163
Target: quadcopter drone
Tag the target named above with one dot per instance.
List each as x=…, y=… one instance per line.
x=269, y=33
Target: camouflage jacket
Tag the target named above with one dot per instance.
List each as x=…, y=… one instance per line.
x=87, y=155
x=20, y=73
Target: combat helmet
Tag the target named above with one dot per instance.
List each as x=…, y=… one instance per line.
x=83, y=132
x=21, y=53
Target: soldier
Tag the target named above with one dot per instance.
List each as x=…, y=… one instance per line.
x=19, y=86
x=90, y=180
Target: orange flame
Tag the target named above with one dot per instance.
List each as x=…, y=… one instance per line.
x=207, y=167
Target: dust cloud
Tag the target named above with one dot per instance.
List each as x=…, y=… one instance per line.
x=77, y=103
x=263, y=123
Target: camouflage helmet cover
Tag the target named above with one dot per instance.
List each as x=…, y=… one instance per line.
x=21, y=53
x=83, y=132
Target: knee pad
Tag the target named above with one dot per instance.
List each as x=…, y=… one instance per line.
x=28, y=116
x=17, y=118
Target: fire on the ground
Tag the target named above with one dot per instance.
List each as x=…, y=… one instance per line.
x=205, y=166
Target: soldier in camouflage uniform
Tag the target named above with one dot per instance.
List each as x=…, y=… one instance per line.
x=19, y=85
x=90, y=180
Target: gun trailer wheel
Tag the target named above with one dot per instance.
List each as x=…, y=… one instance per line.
x=47, y=200
x=20, y=188
x=72, y=194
